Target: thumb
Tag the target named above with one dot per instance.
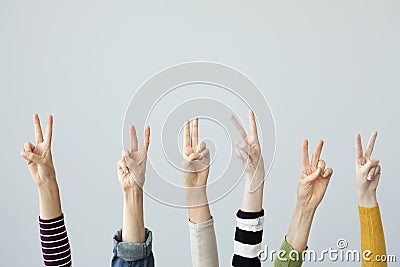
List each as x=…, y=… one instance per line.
x=312, y=177
x=32, y=157
x=370, y=164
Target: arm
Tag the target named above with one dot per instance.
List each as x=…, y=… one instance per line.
x=250, y=218
x=134, y=242
x=53, y=234
x=311, y=189
x=368, y=174
x=196, y=161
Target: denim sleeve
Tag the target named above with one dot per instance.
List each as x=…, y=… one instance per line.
x=132, y=254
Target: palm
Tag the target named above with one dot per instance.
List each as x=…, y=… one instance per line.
x=312, y=192
x=38, y=171
x=196, y=171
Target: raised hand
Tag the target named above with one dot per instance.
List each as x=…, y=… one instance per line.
x=132, y=165
x=368, y=172
x=38, y=157
x=314, y=178
x=248, y=151
x=196, y=157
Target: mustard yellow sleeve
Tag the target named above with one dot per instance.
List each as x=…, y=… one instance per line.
x=372, y=237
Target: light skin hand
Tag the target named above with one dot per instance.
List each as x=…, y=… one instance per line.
x=131, y=175
x=368, y=172
x=196, y=165
x=248, y=150
x=314, y=180
x=196, y=157
x=132, y=165
x=40, y=164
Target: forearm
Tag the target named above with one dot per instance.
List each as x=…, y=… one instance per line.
x=198, y=208
x=300, y=227
x=133, y=230
x=253, y=194
x=49, y=201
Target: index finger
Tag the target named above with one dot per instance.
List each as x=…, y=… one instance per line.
x=49, y=131
x=253, y=125
x=238, y=127
x=317, y=153
x=38, y=129
x=195, y=132
x=146, y=138
x=370, y=146
x=305, y=161
x=186, y=135
x=133, y=137
x=359, y=150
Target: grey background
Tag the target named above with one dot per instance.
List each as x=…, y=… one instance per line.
x=327, y=68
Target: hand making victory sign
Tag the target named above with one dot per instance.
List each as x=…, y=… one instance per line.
x=248, y=150
x=40, y=165
x=196, y=157
x=38, y=157
x=314, y=178
x=132, y=165
x=368, y=172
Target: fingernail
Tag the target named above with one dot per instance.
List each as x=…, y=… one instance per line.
x=126, y=171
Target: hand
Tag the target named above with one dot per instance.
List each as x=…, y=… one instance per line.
x=132, y=165
x=314, y=178
x=248, y=150
x=368, y=172
x=38, y=157
x=196, y=158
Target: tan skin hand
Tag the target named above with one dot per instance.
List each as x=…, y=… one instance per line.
x=368, y=172
x=38, y=157
x=132, y=165
x=314, y=178
x=196, y=157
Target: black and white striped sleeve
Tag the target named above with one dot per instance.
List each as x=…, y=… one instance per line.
x=55, y=245
x=248, y=237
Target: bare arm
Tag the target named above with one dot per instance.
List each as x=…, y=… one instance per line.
x=131, y=175
x=314, y=180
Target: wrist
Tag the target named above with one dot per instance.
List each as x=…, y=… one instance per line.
x=133, y=192
x=367, y=199
x=305, y=210
x=196, y=196
x=48, y=187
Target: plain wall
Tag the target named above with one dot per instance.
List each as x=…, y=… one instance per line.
x=329, y=69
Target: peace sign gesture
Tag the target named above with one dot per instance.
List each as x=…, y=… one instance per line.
x=368, y=172
x=248, y=150
x=196, y=157
x=314, y=178
x=132, y=165
x=38, y=157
